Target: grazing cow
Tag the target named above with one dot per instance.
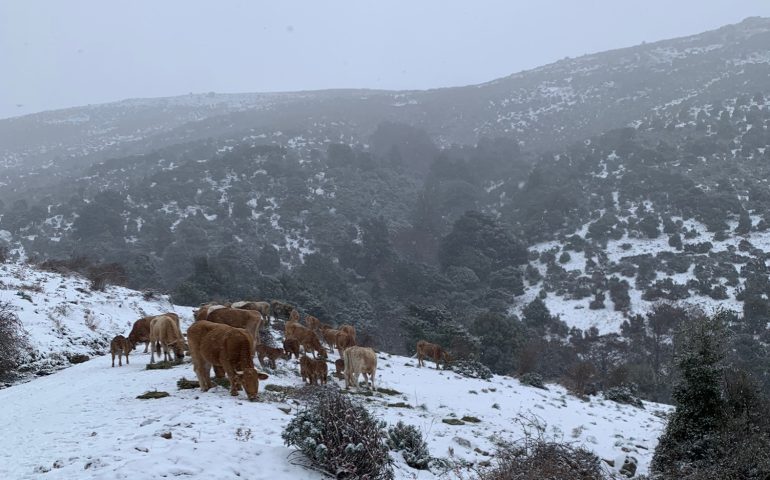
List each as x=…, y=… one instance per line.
x=433, y=351
x=319, y=371
x=262, y=307
x=359, y=360
x=140, y=332
x=269, y=352
x=307, y=338
x=344, y=341
x=306, y=368
x=291, y=346
x=294, y=316
x=330, y=337
x=312, y=322
x=120, y=346
x=339, y=365
x=249, y=320
x=280, y=309
x=324, y=326
x=204, y=310
x=228, y=349
x=350, y=330
x=165, y=333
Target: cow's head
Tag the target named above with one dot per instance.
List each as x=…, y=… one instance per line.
x=447, y=357
x=249, y=379
x=179, y=348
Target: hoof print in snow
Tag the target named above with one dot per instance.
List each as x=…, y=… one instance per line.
x=155, y=394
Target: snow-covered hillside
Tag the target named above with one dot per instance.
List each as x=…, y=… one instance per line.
x=64, y=318
x=86, y=422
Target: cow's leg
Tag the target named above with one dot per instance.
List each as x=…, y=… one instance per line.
x=146, y=346
x=126, y=358
x=113, y=359
x=120, y=358
x=419, y=360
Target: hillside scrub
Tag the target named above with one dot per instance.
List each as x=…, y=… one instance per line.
x=340, y=437
x=13, y=343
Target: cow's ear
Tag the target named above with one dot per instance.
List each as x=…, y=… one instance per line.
x=262, y=376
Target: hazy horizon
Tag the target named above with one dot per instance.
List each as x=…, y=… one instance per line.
x=59, y=55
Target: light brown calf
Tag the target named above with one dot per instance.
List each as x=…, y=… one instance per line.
x=263, y=351
x=294, y=316
x=307, y=338
x=330, y=337
x=306, y=368
x=339, y=365
x=140, y=332
x=433, y=351
x=230, y=349
x=120, y=346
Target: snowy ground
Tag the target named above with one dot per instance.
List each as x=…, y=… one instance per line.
x=86, y=422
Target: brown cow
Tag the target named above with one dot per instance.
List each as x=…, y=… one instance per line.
x=140, y=332
x=294, y=316
x=280, y=309
x=330, y=337
x=339, y=365
x=324, y=326
x=269, y=352
x=291, y=346
x=204, y=310
x=165, y=333
x=120, y=346
x=319, y=371
x=433, y=351
x=249, y=320
x=306, y=368
x=230, y=349
x=359, y=360
x=350, y=330
x=312, y=322
x=262, y=307
x=306, y=337
x=344, y=341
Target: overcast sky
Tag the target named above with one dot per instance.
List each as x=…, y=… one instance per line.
x=59, y=53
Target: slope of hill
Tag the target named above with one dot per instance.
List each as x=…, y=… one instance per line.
x=544, y=108
x=90, y=424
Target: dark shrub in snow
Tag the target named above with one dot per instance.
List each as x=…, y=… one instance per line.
x=340, y=437
x=408, y=440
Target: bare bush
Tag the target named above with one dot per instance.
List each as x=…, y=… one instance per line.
x=13, y=341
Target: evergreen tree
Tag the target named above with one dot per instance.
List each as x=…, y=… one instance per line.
x=691, y=435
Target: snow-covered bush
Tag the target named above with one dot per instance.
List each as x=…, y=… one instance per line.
x=471, y=369
x=13, y=343
x=340, y=437
x=408, y=440
x=623, y=394
x=537, y=458
x=533, y=380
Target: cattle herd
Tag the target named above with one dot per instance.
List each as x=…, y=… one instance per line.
x=226, y=337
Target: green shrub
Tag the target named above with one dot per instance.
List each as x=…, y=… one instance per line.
x=533, y=380
x=340, y=437
x=471, y=369
x=408, y=440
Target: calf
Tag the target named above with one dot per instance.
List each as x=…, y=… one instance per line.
x=306, y=368
x=269, y=352
x=433, y=351
x=319, y=371
x=120, y=346
x=307, y=338
x=294, y=316
x=339, y=365
x=291, y=346
x=359, y=360
x=230, y=349
x=330, y=337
